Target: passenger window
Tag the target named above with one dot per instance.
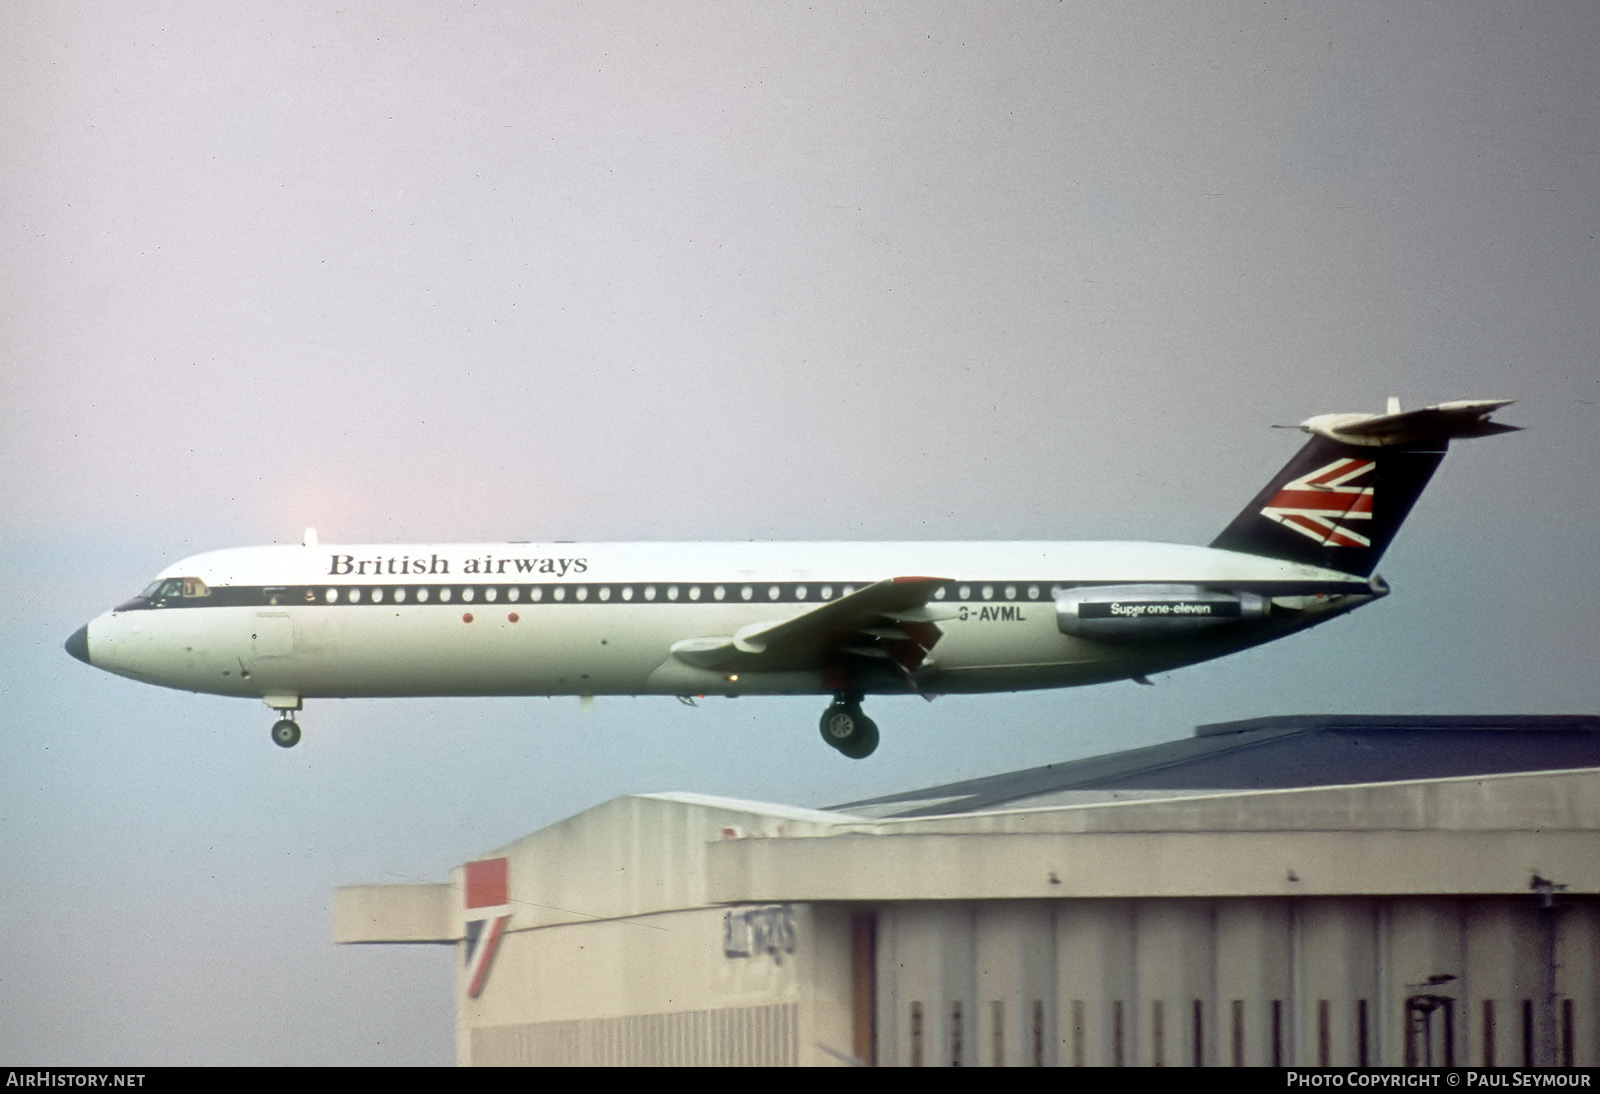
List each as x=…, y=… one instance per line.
x=491, y=595
x=331, y=596
x=354, y=596
x=422, y=595
x=377, y=596
x=400, y=596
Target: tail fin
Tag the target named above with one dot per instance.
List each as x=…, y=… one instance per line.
x=1342, y=498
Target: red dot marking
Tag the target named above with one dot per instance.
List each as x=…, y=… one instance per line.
x=466, y=617
x=512, y=617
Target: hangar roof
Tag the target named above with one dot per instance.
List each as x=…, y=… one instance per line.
x=1298, y=750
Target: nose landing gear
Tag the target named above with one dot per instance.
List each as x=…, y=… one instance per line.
x=845, y=728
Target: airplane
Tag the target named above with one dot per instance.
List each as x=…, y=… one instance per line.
x=285, y=624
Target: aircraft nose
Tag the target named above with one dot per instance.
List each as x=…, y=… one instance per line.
x=78, y=644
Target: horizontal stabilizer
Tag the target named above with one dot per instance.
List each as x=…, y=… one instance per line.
x=1444, y=422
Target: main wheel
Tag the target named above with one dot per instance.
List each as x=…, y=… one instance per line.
x=845, y=728
x=285, y=733
x=839, y=723
x=866, y=742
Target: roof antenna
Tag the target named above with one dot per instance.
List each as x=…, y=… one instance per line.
x=309, y=539
x=1394, y=405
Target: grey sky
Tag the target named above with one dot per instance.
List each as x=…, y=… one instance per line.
x=656, y=271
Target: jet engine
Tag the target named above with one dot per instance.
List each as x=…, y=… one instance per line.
x=1142, y=613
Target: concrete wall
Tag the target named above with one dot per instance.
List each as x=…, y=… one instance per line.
x=690, y=987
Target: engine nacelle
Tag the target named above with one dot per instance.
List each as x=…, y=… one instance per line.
x=1142, y=613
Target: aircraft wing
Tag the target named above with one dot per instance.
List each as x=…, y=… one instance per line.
x=890, y=619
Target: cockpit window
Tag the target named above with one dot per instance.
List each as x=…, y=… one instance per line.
x=174, y=588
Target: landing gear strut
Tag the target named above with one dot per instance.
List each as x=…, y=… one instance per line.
x=845, y=728
x=285, y=732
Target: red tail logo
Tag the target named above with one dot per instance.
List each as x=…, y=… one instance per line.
x=488, y=908
x=1317, y=504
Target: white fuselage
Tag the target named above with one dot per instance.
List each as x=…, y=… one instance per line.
x=292, y=623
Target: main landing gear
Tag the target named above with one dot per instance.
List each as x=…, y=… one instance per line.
x=285, y=732
x=845, y=728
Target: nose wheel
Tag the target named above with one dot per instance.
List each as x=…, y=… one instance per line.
x=285, y=733
x=845, y=728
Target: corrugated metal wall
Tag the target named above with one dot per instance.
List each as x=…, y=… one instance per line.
x=1338, y=982
x=724, y=1037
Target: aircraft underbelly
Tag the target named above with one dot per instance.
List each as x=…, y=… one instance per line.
x=589, y=649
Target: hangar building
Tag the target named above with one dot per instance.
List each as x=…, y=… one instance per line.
x=1316, y=890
